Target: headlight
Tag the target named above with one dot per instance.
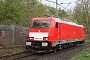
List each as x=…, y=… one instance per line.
x=28, y=43
x=31, y=38
x=44, y=44
x=45, y=38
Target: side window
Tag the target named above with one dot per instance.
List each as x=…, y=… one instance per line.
x=56, y=24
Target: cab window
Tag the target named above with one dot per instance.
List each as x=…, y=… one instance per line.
x=56, y=24
x=41, y=24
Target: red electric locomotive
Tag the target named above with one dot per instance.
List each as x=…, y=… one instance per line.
x=50, y=33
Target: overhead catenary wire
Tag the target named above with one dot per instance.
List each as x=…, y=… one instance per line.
x=61, y=5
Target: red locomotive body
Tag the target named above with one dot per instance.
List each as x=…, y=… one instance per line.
x=47, y=34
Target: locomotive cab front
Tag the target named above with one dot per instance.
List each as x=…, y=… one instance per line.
x=39, y=35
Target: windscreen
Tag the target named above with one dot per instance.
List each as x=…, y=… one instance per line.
x=41, y=24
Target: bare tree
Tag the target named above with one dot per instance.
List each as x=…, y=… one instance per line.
x=82, y=12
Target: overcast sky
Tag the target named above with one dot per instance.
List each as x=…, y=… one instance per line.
x=60, y=1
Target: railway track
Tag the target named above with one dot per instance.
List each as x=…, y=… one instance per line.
x=12, y=47
x=14, y=56
x=31, y=56
x=43, y=56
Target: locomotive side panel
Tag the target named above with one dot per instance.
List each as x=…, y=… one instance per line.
x=78, y=32
x=59, y=30
x=67, y=32
x=56, y=29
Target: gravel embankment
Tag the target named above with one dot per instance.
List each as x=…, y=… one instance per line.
x=66, y=54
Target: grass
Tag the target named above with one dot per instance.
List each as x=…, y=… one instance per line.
x=2, y=52
x=5, y=49
x=82, y=55
x=87, y=39
x=9, y=51
x=17, y=50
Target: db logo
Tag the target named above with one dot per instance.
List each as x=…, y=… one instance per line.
x=39, y=30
